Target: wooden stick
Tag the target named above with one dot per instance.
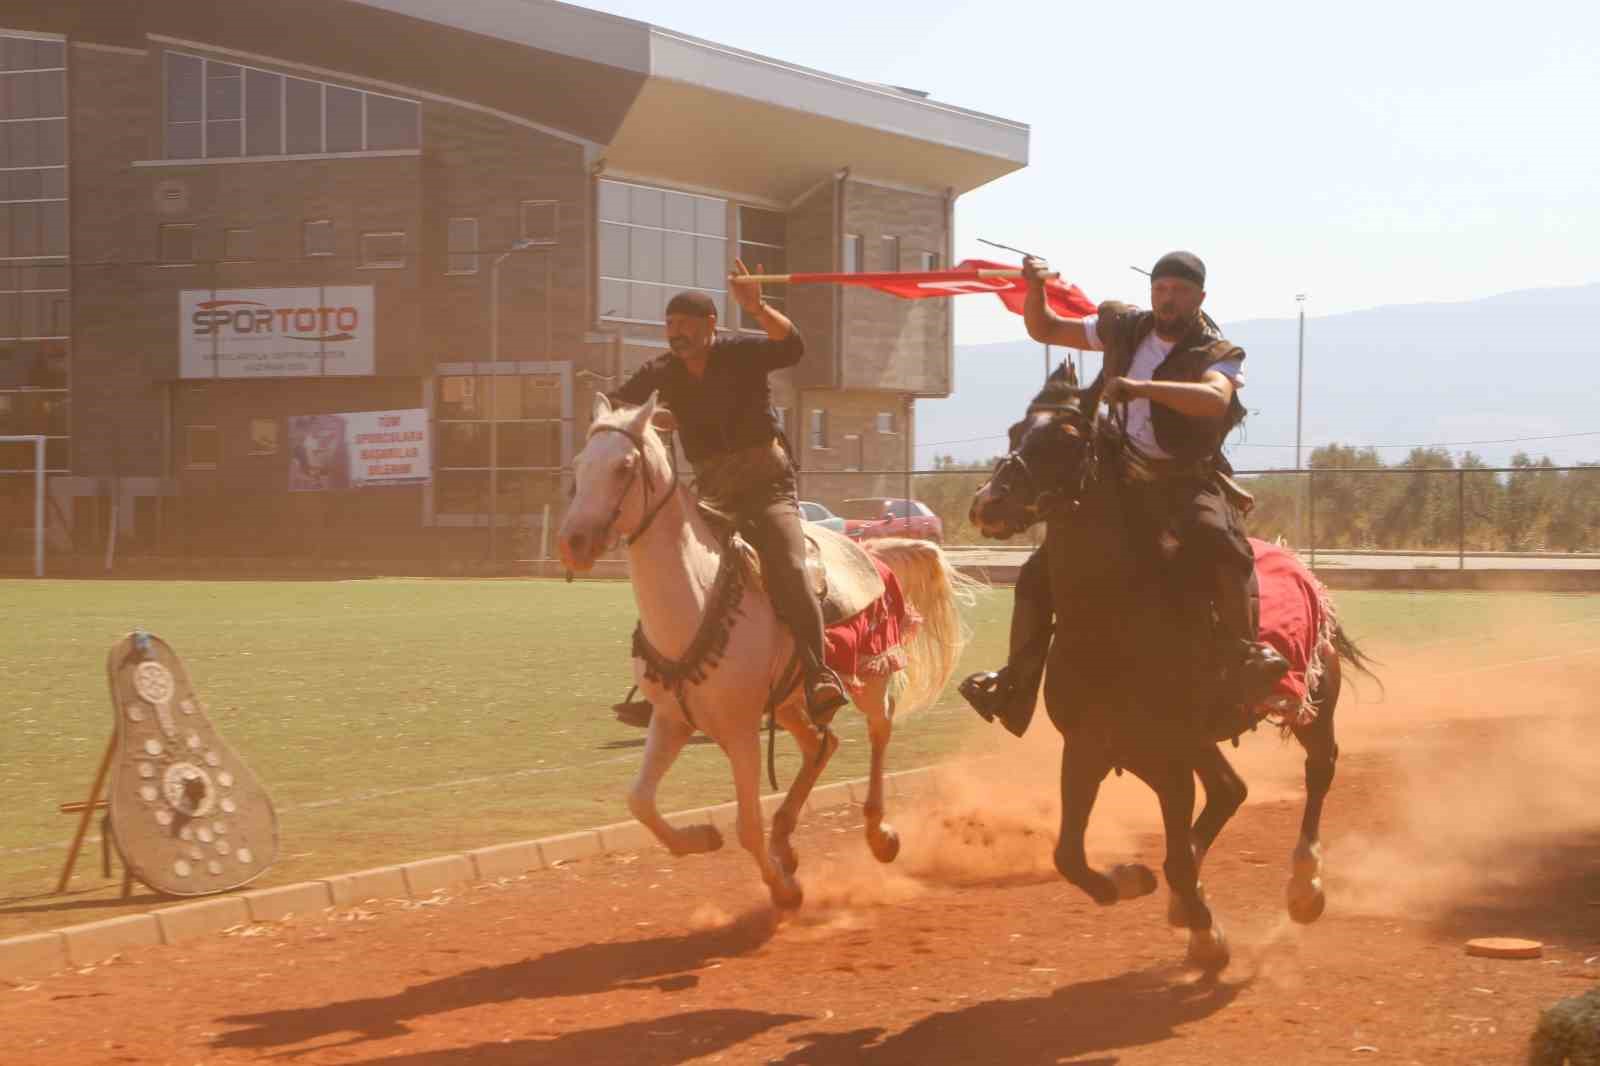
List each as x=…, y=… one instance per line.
x=786, y=279
x=74, y=808
x=89, y=806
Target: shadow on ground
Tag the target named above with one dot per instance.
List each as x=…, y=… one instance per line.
x=664, y=963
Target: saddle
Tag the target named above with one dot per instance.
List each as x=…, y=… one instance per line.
x=838, y=571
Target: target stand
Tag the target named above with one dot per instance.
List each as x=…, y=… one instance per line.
x=185, y=815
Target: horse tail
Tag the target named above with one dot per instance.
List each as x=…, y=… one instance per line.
x=1349, y=651
x=936, y=590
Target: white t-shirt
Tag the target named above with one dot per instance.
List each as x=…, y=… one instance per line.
x=1150, y=354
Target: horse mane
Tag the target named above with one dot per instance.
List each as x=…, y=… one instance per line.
x=1060, y=389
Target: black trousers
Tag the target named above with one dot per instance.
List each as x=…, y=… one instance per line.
x=768, y=511
x=1214, y=555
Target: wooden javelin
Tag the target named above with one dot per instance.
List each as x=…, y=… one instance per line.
x=885, y=276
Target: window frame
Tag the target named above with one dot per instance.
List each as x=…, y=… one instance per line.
x=892, y=252
x=719, y=292
x=305, y=238
x=817, y=430
x=369, y=262
x=886, y=418
x=475, y=255
x=249, y=234
x=554, y=237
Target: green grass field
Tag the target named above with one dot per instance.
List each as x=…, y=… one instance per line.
x=397, y=719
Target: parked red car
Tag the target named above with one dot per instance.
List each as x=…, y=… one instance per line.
x=884, y=517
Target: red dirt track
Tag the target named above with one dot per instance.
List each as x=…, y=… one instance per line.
x=1455, y=814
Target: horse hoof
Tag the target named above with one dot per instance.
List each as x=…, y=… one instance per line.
x=1133, y=880
x=787, y=858
x=1208, y=950
x=787, y=896
x=1307, y=901
x=885, y=843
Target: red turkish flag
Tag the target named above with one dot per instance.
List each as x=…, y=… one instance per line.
x=1066, y=300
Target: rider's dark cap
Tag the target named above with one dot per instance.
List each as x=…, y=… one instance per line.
x=697, y=304
x=1185, y=265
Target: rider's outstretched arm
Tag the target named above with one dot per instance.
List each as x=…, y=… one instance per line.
x=1044, y=325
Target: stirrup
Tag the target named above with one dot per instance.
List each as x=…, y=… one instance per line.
x=633, y=712
x=988, y=692
x=825, y=695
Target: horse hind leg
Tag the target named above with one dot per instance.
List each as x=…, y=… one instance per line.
x=1304, y=893
x=878, y=707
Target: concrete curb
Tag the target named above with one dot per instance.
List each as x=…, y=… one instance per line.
x=40, y=954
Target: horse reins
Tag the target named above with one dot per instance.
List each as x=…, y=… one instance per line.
x=644, y=465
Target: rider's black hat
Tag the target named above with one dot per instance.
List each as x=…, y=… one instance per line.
x=1185, y=265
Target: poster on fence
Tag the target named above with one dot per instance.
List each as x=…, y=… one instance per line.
x=358, y=449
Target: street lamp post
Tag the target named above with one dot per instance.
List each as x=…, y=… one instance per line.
x=494, y=389
x=1299, y=409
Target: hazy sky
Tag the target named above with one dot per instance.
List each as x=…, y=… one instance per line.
x=1362, y=153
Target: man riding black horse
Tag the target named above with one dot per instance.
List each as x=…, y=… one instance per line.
x=722, y=402
x=1177, y=377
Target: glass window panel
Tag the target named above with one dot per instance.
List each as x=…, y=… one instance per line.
x=53, y=182
x=680, y=211
x=383, y=249
x=5, y=144
x=19, y=96
x=55, y=414
x=679, y=268
x=224, y=91
x=721, y=300
x=504, y=392
x=711, y=216
x=183, y=140
x=762, y=227
x=49, y=54
x=21, y=185
x=458, y=397
x=9, y=181
x=613, y=299
x=462, y=491
x=647, y=302
x=184, y=88
x=613, y=201
x=463, y=246
x=303, y=107
x=24, y=229
x=463, y=444
x=645, y=254
x=344, y=119
x=43, y=314
x=5, y=230
x=540, y=221
x=47, y=276
x=224, y=140
x=646, y=205
x=891, y=253
x=52, y=142
x=25, y=142
x=763, y=259
x=263, y=110
x=10, y=315
x=516, y=443
x=614, y=249
x=391, y=123
x=710, y=263
x=57, y=455
x=541, y=396
x=8, y=52
x=52, y=92
x=852, y=254
x=319, y=237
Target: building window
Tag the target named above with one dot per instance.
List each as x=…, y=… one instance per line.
x=32, y=411
x=655, y=242
x=264, y=436
x=763, y=245
x=463, y=242
x=891, y=253
x=928, y=261
x=204, y=445
x=319, y=237
x=852, y=254
x=854, y=452
x=783, y=419
x=218, y=110
x=177, y=244
x=238, y=245
x=819, y=428
x=885, y=421
x=383, y=251
x=540, y=219
x=526, y=419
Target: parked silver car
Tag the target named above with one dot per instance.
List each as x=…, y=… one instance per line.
x=815, y=512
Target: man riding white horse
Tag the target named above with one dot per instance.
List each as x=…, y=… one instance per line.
x=720, y=397
x=1178, y=377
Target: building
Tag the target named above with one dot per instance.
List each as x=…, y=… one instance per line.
x=224, y=223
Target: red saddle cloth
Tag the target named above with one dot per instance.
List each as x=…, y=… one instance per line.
x=868, y=644
x=1297, y=619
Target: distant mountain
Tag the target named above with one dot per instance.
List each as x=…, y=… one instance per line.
x=1522, y=364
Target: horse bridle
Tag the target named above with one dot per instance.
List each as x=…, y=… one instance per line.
x=1048, y=500
x=644, y=465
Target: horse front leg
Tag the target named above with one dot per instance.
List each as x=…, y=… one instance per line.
x=1083, y=767
x=816, y=749
x=1304, y=893
x=1225, y=794
x=666, y=738
x=1174, y=785
x=744, y=753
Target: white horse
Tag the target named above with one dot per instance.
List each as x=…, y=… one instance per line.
x=625, y=487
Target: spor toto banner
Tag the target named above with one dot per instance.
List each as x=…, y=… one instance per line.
x=351, y=451
x=276, y=333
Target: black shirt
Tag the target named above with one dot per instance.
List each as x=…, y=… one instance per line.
x=729, y=407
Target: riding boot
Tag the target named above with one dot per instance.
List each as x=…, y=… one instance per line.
x=1250, y=669
x=1012, y=692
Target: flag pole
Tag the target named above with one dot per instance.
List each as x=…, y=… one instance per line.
x=839, y=279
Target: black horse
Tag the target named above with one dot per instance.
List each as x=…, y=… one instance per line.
x=1132, y=681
